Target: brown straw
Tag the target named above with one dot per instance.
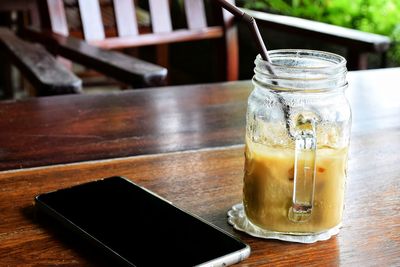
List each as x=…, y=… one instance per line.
x=251, y=23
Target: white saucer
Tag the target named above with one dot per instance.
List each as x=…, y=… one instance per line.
x=237, y=218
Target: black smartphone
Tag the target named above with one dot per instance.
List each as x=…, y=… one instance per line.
x=138, y=227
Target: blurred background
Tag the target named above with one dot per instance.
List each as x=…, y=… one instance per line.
x=374, y=16
x=194, y=62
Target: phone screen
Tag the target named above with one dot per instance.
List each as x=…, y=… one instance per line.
x=137, y=226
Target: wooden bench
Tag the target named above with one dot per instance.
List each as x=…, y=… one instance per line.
x=357, y=43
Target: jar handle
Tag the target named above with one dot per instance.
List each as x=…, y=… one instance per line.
x=304, y=169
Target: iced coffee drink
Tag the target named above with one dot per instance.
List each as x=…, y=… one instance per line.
x=268, y=188
x=298, y=124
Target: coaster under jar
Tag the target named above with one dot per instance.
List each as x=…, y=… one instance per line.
x=238, y=219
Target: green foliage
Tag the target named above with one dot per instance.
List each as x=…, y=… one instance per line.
x=376, y=16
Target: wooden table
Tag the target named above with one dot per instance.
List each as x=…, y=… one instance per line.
x=186, y=144
x=76, y=128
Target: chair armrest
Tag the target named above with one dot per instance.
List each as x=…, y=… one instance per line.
x=124, y=68
x=42, y=70
x=353, y=39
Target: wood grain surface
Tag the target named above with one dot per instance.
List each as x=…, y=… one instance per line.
x=65, y=129
x=208, y=182
x=54, y=130
x=197, y=134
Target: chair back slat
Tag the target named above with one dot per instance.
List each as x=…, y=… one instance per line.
x=160, y=16
x=92, y=23
x=125, y=17
x=195, y=14
x=58, y=19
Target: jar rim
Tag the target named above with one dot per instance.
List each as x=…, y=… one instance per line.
x=301, y=70
x=337, y=60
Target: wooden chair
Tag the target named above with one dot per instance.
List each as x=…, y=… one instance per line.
x=57, y=29
x=38, y=66
x=49, y=77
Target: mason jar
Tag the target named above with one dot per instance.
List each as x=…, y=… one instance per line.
x=297, y=140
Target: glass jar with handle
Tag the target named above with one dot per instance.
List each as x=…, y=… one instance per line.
x=297, y=139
